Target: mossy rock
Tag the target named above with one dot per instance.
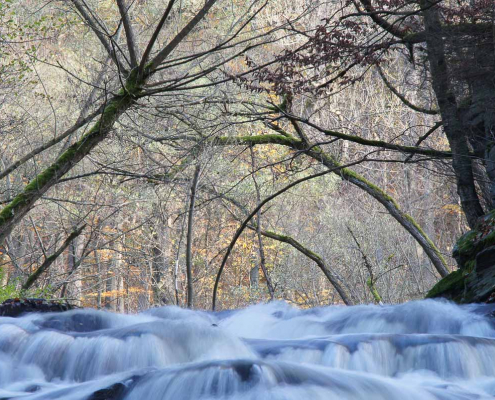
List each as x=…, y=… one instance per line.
x=470, y=283
x=451, y=287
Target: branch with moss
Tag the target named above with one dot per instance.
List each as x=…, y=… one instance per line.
x=375, y=143
x=347, y=174
x=245, y=223
x=337, y=283
x=12, y=167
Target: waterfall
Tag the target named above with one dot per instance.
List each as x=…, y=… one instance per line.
x=421, y=350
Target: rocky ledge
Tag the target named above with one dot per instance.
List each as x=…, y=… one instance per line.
x=16, y=307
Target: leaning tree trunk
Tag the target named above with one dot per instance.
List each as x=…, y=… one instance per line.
x=24, y=201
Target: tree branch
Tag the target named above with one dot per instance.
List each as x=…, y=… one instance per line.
x=91, y=23
x=129, y=32
x=49, y=260
x=154, y=37
x=253, y=213
x=402, y=98
x=47, y=145
x=163, y=54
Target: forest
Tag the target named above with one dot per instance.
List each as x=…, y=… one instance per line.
x=247, y=200
x=220, y=154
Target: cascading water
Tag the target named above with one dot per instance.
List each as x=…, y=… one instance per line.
x=423, y=350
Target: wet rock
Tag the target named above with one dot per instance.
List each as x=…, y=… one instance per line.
x=17, y=307
x=114, y=392
x=75, y=322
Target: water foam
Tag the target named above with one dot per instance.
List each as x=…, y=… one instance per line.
x=415, y=351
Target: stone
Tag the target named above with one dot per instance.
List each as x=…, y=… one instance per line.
x=485, y=259
x=17, y=307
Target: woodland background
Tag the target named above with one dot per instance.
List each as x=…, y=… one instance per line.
x=166, y=191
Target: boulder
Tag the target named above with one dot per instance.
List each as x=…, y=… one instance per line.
x=474, y=281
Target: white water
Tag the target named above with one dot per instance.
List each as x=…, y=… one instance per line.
x=424, y=350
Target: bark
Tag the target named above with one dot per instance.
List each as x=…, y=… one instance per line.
x=129, y=32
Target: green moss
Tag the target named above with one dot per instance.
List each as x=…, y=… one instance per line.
x=465, y=246
x=374, y=291
x=452, y=286
x=383, y=197
x=474, y=241
x=427, y=238
x=467, y=284
x=39, y=183
x=349, y=173
x=258, y=139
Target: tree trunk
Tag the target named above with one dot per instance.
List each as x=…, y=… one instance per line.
x=454, y=129
x=190, y=220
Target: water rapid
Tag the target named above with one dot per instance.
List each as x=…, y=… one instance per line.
x=422, y=350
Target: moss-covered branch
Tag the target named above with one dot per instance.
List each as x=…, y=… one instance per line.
x=378, y=143
x=16, y=164
x=336, y=282
x=347, y=174
x=408, y=222
x=24, y=201
x=256, y=140
x=245, y=223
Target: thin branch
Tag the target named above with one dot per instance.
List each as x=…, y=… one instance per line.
x=163, y=54
x=101, y=37
x=375, y=143
x=129, y=32
x=50, y=143
x=49, y=260
x=154, y=37
x=424, y=137
x=403, y=98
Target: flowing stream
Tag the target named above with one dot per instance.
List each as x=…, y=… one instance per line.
x=422, y=350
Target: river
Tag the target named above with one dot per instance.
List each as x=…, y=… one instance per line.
x=421, y=350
